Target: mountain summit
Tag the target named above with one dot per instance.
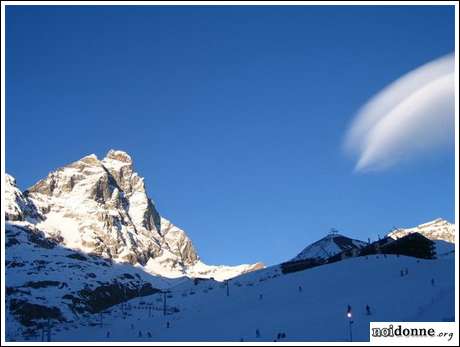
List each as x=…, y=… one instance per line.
x=102, y=207
x=438, y=229
x=329, y=246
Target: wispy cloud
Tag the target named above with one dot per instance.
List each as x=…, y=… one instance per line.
x=411, y=116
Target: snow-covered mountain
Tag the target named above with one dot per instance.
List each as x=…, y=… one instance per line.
x=89, y=258
x=101, y=207
x=17, y=206
x=307, y=305
x=438, y=229
x=46, y=280
x=328, y=246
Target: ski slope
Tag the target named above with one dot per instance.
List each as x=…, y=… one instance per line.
x=271, y=302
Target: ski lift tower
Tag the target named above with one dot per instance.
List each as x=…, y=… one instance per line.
x=333, y=232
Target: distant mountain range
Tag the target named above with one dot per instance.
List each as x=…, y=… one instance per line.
x=329, y=246
x=334, y=243
x=438, y=229
x=87, y=238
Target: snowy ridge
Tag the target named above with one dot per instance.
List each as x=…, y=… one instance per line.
x=17, y=206
x=102, y=207
x=329, y=246
x=87, y=251
x=438, y=229
x=306, y=306
x=46, y=280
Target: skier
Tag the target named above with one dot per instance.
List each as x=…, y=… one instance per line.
x=368, y=310
x=432, y=282
x=149, y=334
x=257, y=333
x=300, y=288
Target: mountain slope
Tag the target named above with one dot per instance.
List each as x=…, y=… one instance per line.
x=329, y=246
x=45, y=280
x=438, y=229
x=17, y=206
x=315, y=313
x=102, y=207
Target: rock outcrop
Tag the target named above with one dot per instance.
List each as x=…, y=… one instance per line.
x=102, y=207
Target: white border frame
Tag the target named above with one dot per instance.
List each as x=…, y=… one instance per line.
x=223, y=3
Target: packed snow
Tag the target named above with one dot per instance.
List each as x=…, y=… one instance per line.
x=87, y=247
x=438, y=229
x=308, y=305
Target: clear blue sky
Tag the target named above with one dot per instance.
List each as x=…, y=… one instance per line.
x=235, y=116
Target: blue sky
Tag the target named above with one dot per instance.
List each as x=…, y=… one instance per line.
x=235, y=116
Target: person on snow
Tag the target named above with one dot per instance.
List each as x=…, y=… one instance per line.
x=368, y=310
x=257, y=333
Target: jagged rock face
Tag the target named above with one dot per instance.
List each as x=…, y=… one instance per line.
x=17, y=206
x=438, y=229
x=178, y=243
x=101, y=206
x=45, y=280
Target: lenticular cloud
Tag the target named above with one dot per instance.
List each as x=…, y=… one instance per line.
x=409, y=117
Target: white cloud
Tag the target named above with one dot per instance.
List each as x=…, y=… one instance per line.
x=413, y=115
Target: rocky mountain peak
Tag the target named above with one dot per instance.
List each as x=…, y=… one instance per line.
x=437, y=229
x=328, y=246
x=120, y=165
x=17, y=206
x=118, y=155
x=102, y=207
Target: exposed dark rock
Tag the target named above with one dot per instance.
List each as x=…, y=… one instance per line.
x=27, y=313
x=11, y=242
x=15, y=263
x=111, y=294
x=41, y=284
x=77, y=256
x=41, y=241
x=15, y=290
